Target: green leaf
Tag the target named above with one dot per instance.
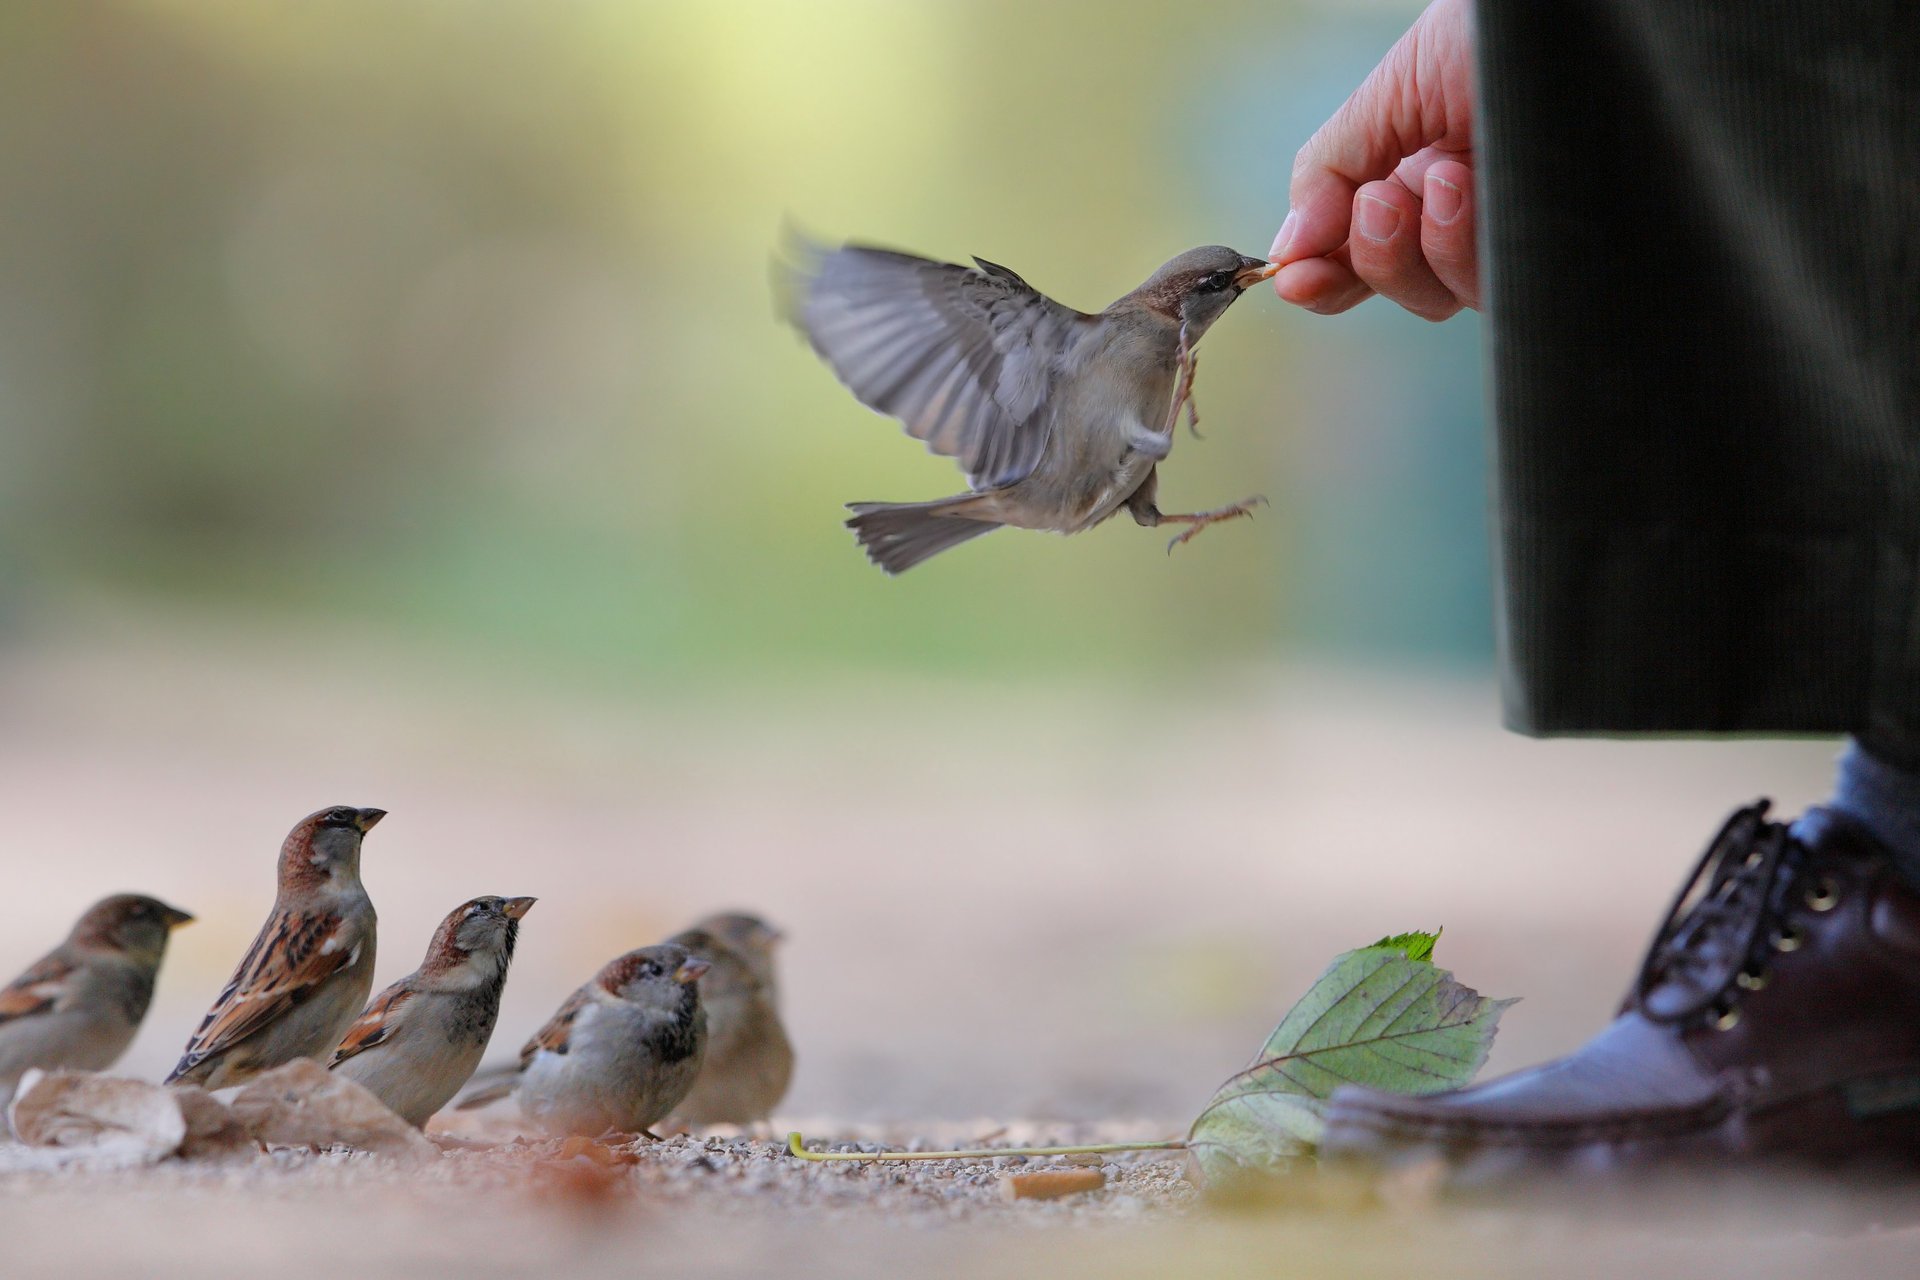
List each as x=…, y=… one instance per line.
x=1383, y=1016
x=1418, y=946
x=1252, y=1134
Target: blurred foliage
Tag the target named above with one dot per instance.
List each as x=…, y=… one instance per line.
x=454, y=319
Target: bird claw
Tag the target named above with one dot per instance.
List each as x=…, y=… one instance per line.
x=1187, y=361
x=1186, y=395
x=1200, y=520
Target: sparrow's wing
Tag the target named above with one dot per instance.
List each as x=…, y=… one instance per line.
x=294, y=954
x=966, y=359
x=36, y=990
x=373, y=1026
x=556, y=1036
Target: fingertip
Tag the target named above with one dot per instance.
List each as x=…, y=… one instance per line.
x=1283, y=237
x=1446, y=191
x=1318, y=223
x=1319, y=285
x=1447, y=234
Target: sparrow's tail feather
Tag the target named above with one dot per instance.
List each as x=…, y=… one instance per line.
x=494, y=1084
x=899, y=535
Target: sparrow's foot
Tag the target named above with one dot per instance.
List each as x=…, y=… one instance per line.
x=1187, y=361
x=1199, y=520
x=1186, y=396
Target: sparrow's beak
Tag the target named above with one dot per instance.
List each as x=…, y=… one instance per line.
x=176, y=918
x=690, y=971
x=366, y=818
x=1253, y=271
x=518, y=907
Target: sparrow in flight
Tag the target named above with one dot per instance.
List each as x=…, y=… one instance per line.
x=1059, y=417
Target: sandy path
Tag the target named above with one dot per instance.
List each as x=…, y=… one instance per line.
x=1049, y=908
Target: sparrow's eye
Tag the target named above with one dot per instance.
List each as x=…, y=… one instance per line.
x=1216, y=282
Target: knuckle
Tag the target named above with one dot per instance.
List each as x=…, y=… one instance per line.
x=1306, y=159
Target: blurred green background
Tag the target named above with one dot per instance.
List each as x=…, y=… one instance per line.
x=453, y=321
x=393, y=411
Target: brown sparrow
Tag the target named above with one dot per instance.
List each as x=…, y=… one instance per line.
x=1058, y=416
x=308, y=973
x=749, y=1060
x=419, y=1041
x=80, y=1004
x=620, y=1053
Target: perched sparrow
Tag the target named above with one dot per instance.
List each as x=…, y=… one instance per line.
x=620, y=1053
x=1057, y=416
x=749, y=1060
x=81, y=1003
x=419, y=1041
x=308, y=973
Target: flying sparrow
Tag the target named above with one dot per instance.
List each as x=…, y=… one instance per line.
x=620, y=1053
x=749, y=1060
x=1058, y=417
x=419, y=1041
x=80, y=1004
x=308, y=973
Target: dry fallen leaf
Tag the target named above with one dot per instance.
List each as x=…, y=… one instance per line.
x=1051, y=1184
x=115, y=1120
x=583, y=1175
x=302, y=1104
x=213, y=1131
x=600, y=1153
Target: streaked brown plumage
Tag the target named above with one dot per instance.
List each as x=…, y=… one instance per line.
x=309, y=971
x=80, y=1005
x=1058, y=417
x=420, y=1039
x=749, y=1060
x=619, y=1053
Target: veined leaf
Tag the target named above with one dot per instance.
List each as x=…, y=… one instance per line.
x=1417, y=945
x=1383, y=1016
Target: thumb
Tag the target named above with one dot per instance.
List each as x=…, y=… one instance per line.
x=1419, y=96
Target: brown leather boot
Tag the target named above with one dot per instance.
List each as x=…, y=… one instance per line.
x=1776, y=1021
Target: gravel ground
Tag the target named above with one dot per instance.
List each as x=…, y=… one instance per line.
x=1082, y=924
x=727, y=1176
x=724, y=1207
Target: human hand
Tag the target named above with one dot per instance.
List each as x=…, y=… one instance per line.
x=1382, y=195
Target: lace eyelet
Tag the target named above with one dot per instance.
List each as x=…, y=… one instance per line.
x=1750, y=979
x=1791, y=938
x=1725, y=1019
x=1823, y=895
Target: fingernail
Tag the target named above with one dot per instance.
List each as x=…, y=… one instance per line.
x=1442, y=199
x=1378, y=219
x=1285, y=236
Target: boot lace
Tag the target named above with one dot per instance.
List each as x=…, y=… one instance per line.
x=1726, y=925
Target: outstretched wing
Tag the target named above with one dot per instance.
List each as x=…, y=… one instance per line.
x=965, y=358
x=373, y=1026
x=36, y=990
x=293, y=955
